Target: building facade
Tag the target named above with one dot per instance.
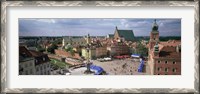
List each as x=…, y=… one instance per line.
x=164, y=57
x=32, y=62
x=118, y=48
x=26, y=62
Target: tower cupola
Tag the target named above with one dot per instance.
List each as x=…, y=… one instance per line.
x=155, y=26
x=156, y=47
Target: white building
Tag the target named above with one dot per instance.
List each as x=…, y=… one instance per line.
x=33, y=62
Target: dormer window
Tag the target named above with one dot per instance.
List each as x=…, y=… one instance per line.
x=43, y=58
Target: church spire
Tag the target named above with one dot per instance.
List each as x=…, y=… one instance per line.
x=155, y=26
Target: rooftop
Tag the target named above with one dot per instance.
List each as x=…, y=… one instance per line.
x=169, y=51
x=127, y=34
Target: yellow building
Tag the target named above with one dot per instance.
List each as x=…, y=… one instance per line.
x=94, y=52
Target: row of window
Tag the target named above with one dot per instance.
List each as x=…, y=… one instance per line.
x=45, y=73
x=166, y=62
x=167, y=69
x=30, y=72
x=42, y=67
x=28, y=64
x=42, y=59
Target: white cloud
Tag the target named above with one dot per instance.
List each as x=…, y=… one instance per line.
x=47, y=20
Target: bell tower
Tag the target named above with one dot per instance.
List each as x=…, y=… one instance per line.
x=154, y=35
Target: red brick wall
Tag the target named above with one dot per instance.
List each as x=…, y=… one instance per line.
x=66, y=54
x=169, y=65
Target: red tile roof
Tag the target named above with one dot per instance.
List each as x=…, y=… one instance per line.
x=169, y=51
x=36, y=53
x=171, y=43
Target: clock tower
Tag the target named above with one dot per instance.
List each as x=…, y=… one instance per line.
x=154, y=36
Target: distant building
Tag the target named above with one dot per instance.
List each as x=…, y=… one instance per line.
x=42, y=63
x=111, y=36
x=73, y=41
x=164, y=57
x=118, y=48
x=26, y=62
x=65, y=54
x=96, y=50
x=126, y=35
x=33, y=62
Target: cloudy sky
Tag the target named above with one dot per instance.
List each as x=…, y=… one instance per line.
x=95, y=27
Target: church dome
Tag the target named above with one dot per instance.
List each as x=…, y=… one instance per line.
x=155, y=26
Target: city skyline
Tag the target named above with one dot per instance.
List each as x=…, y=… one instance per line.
x=95, y=26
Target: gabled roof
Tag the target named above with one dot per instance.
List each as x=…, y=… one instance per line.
x=127, y=34
x=23, y=51
x=24, y=54
x=40, y=57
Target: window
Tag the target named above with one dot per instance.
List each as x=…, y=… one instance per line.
x=37, y=68
x=31, y=71
x=159, y=61
x=44, y=66
x=174, y=69
x=166, y=62
x=40, y=67
x=174, y=62
x=26, y=72
x=30, y=64
x=26, y=65
x=43, y=58
x=158, y=74
x=166, y=69
x=159, y=69
x=47, y=65
x=36, y=61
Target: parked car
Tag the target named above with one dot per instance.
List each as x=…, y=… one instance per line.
x=107, y=59
x=100, y=59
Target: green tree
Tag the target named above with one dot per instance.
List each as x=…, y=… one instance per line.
x=141, y=49
x=69, y=48
x=52, y=48
x=40, y=48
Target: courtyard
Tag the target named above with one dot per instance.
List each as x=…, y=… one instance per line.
x=128, y=66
